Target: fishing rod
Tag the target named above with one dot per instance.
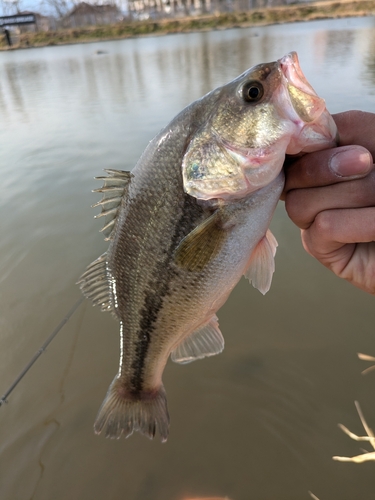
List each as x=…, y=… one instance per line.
x=41, y=350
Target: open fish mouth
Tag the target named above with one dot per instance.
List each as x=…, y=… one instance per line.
x=317, y=128
x=305, y=102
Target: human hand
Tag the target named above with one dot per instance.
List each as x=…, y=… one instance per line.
x=330, y=195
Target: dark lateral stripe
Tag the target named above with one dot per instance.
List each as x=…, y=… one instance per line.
x=158, y=288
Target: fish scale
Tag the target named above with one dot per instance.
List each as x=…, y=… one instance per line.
x=188, y=222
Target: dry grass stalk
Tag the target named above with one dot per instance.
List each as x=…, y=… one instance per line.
x=366, y=357
x=370, y=438
x=313, y=496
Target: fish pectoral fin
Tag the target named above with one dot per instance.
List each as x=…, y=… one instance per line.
x=95, y=285
x=262, y=263
x=206, y=341
x=200, y=246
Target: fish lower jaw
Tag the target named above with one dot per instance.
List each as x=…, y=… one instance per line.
x=313, y=138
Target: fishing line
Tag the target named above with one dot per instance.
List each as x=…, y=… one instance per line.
x=41, y=350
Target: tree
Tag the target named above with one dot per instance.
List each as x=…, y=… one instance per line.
x=10, y=7
x=59, y=8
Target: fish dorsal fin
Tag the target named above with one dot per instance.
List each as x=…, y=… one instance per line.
x=94, y=284
x=201, y=245
x=115, y=187
x=206, y=341
x=262, y=263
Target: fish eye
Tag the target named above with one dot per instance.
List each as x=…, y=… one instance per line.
x=252, y=91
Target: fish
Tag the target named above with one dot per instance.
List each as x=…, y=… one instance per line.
x=188, y=222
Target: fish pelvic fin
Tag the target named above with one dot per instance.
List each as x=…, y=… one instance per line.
x=202, y=244
x=94, y=284
x=123, y=412
x=115, y=188
x=261, y=265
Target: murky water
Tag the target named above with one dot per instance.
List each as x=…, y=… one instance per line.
x=260, y=420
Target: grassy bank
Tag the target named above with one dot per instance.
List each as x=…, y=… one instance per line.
x=273, y=15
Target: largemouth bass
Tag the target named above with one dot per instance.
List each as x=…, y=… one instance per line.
x=188, y=222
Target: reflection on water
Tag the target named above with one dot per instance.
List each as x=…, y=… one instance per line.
x=145, y=70
x=258, y=421
x=369, y=65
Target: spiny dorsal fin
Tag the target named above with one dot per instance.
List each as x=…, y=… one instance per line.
x=115, y=187
x=206, y=341
x=201, y=245
x=95, y=285
x=262, y=263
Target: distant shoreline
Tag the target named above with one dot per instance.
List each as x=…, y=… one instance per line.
x=225, y=20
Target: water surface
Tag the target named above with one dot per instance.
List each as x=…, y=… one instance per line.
x=260, y=420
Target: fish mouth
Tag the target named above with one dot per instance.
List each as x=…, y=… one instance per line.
x=317, y=127
x=306, y=103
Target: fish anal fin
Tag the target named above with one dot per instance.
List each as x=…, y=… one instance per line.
x=122, y=413
x=201, y=245
x=94, y=284
x=114, y=189
x=261, y=265
x=206, y=341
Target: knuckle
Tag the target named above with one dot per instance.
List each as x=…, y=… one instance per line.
x=324, y=224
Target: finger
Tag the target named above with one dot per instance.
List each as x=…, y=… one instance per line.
x=334, y=228
x=355, y=127
x=303, y=205
x=344, y=241
x=324, y=168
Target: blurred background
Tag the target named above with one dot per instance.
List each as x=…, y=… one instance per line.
x=258, y=421
x=56, y=14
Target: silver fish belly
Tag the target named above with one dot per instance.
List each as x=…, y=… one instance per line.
x=175, y=256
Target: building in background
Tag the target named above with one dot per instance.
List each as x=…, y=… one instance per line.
x=42, y=23
x=87, y=14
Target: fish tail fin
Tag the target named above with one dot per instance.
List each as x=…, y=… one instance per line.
x=123, y=412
